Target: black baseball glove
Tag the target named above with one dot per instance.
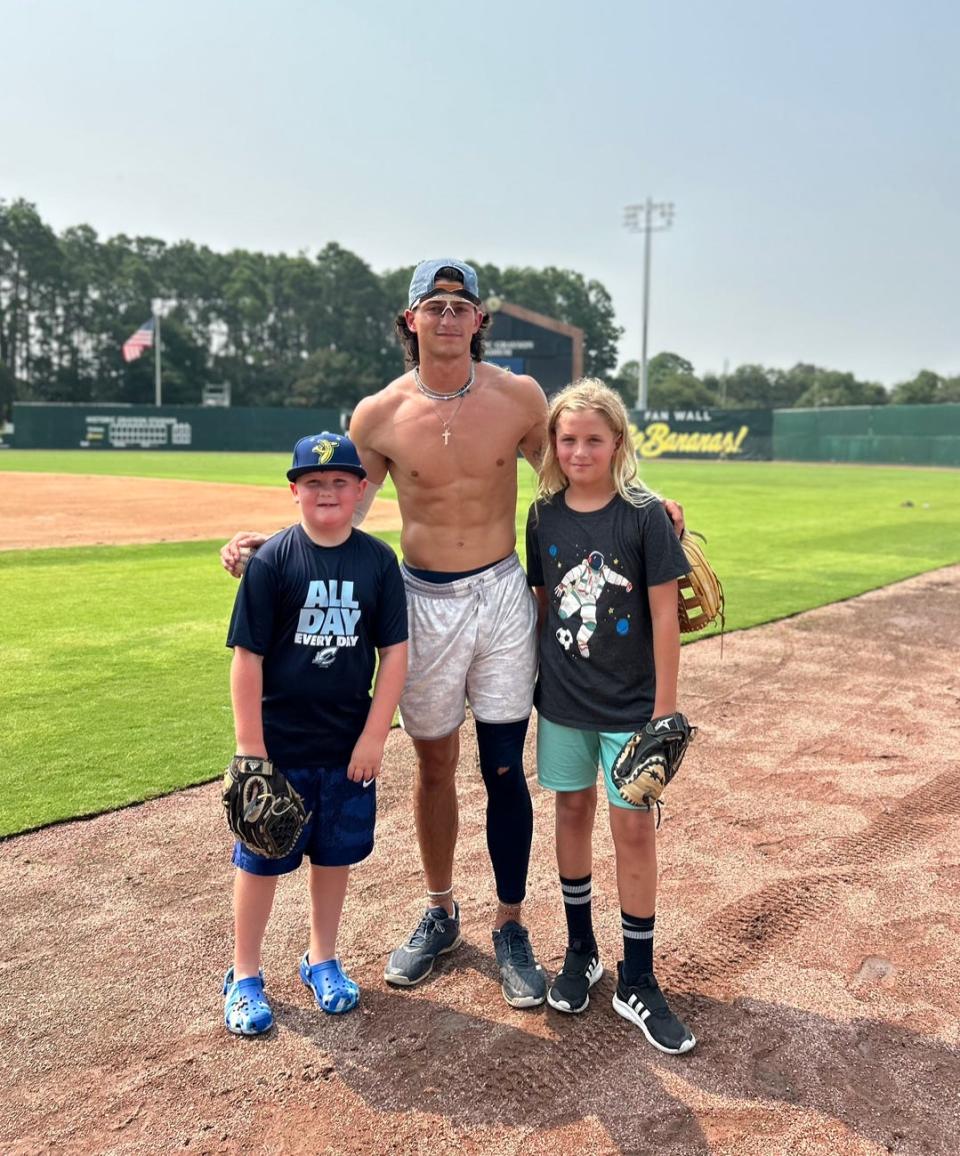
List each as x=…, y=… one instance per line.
x=263, y=810
x=649, y=759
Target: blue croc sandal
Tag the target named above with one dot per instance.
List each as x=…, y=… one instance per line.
x=334, y=991
x=245, y=1008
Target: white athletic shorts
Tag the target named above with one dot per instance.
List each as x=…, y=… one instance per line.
x=472, y=640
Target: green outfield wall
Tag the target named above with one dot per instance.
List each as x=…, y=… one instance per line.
x=120, y=427
x=924, y=435
x=917, y=435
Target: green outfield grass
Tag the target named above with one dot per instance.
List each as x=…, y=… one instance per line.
x=242, y=469
x=248, y=469
x=114, y=681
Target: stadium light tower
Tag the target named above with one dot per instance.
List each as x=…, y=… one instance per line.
x=650, y=217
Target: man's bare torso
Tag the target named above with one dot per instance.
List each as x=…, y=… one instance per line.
x=458, y=496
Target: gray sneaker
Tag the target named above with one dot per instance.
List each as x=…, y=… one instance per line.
x=436, y=934
x=522, y=980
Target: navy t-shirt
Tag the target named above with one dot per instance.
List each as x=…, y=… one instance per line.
x=317, y=615
x=596, y=646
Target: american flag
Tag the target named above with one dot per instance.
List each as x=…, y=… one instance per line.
x=137, y=342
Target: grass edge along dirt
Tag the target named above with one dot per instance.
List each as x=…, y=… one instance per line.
x=116, y=675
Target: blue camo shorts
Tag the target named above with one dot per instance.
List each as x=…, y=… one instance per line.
x=339, y=832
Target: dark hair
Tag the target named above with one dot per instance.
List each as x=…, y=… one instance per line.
x=411, y=345
x=448, y=273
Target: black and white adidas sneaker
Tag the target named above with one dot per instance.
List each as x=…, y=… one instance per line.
x=570, y=991
x=644, y=1005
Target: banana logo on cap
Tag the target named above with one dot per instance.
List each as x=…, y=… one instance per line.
x=324, y=450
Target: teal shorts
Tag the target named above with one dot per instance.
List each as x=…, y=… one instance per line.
x=568, y=759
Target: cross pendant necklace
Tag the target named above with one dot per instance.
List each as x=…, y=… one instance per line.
x=446, y=435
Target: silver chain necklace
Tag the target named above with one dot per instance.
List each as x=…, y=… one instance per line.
x=434, y=396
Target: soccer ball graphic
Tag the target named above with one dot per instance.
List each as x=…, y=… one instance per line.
x=565, y=638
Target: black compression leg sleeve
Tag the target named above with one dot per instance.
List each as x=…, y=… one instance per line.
x=509, y=809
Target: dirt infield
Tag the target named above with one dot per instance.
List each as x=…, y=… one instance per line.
x=809, y=930
x=39, y=510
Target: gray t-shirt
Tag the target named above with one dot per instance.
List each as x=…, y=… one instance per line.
x=596, y=646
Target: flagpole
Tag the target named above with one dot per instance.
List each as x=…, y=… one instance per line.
x=156, y=358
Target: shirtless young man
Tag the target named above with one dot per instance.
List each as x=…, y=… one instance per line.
x=448, y=433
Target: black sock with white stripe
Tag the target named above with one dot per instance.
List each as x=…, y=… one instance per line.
x=637, y=946
x=578, y=908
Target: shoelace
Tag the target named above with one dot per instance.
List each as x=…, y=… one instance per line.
x=429, y=923
x=518, y=947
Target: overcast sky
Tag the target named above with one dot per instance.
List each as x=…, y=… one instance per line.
x=812, y=150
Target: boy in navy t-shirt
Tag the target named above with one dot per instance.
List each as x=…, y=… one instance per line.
x=318, y=603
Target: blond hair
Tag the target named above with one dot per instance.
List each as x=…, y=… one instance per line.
x=590, y=394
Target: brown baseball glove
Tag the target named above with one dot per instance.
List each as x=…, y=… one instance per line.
x=701, y=598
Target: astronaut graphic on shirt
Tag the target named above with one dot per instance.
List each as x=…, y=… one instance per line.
x=579, y=591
